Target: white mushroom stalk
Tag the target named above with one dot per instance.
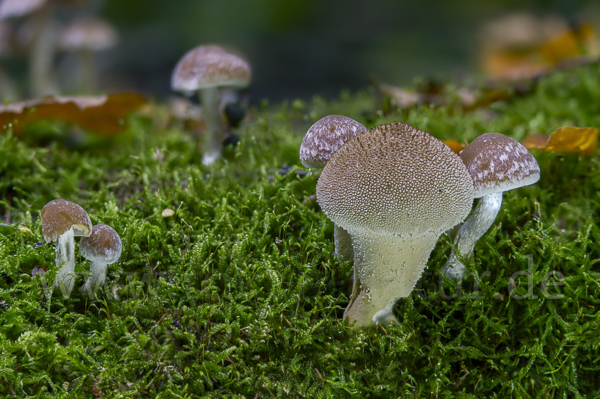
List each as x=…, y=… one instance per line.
x=473, y=229
x=211, y=100
x=496, y=163
x=65, y=260
x=395, y=189
x=321, y=141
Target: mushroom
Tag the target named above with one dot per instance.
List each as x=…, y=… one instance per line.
x=62, y=221
x=205, y=69
x=102, y=248
x=322, y=139
x=87, y=36
x=395, y=189
x=496, y=163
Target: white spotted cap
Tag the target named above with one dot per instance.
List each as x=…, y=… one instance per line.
x=395, y=179
x=499, y=163
x=103, y=245
x=325, y=137
x=209, y=66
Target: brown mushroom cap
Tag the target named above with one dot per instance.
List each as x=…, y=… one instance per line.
x=395, y=179
x=88, y=34
x=17, y=8
x=103, y=245
x=499, y=163
x=324, y=138
x=209, y=66
x=59, y=215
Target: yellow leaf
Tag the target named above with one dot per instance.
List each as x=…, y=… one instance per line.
x=454, y=145
x=535, y=142
x=573, y=140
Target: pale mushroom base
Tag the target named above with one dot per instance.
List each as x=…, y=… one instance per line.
x=65, y=259
x=473, y=229
x=210, y=98
x=386, y=268
x=96, y=279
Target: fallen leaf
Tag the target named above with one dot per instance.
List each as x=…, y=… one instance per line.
x=573, y=140
x=535, y=142
x=103, y=115
x=454, y=145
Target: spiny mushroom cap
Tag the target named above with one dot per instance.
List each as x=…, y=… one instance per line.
x=324, y=138
x=395, y=179
x=88, y=34
x=17, y=8
x=209, y=66
x=103, y=245
x=59, y=215
x=499, y=163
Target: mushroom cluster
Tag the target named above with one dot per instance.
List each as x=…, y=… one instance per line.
x=62, y=221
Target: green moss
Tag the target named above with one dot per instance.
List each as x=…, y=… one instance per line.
x=239, y=293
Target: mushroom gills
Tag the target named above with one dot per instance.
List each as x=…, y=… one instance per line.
x=473, y=229
x=65, y=258
x=387, y=267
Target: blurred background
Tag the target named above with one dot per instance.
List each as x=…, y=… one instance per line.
x=300, y=48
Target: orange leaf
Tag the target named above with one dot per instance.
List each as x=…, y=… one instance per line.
x=574, y=140
x=535, y=142
x=454, y=145
x=103, y=115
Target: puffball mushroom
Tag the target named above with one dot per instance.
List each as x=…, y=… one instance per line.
x=205, y=69
x=496, y=163
x=323, y=139
x=102, y=248
x=62, y=221
x=395, y=189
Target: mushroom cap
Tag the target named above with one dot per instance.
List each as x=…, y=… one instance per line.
x=88, y=34
x=103, y=245
x=17, y=8
x=324, y=138
x=499, y=163
x=395, y=179
x=209, y=66
x=59, y=215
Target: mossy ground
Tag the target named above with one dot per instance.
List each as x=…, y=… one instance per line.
x=239, y=294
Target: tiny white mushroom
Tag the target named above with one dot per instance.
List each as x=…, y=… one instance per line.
x=205, y=69
x=395, y=189
x=101, y=248
x=62, y=221
x=323, y=139
x=496, y=163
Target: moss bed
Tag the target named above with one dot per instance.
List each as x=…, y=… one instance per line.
x=239, y=294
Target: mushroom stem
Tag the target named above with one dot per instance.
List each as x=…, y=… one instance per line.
x=386, y=267
x=210, y=99
x=65, y=259
x=97, y=277
x=343, y=244
x=473, y=228
x=88, y=74
x=42, y=53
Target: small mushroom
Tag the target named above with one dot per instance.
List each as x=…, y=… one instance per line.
x=86, y=37
x=206, y=69
x=323, y=139
x=395, y=189
x=496, y=163
x=62, y=221
x=102, y=248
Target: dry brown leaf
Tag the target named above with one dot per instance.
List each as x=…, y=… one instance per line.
x=535, y=142
x=573, y=140
x=454, y=145
x=103, y=115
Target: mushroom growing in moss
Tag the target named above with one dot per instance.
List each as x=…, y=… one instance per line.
x=321, y=141
x=496, y=163
x=395, y=189
x=62, y=221
x=102, y=248
x=205, y=70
